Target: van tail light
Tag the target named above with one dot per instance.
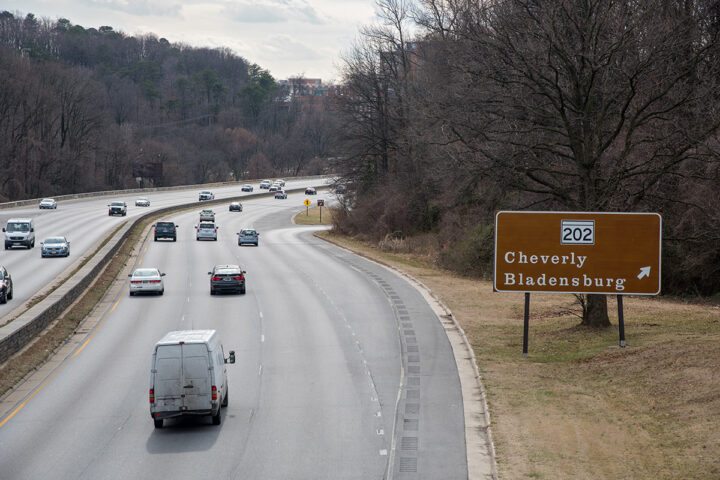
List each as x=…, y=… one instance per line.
x=216, y=278
x=152, y=395
x=214, y=392
x=239, y=278
x=155, y=229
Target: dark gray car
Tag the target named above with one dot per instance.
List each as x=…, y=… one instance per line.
x=6, y=285
x=227, y=278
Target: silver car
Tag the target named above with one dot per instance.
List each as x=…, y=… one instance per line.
x=48, y=203
x=55, y=247
x=142, y=202
x=206, y=230
x=146, y=280
x=248, y=236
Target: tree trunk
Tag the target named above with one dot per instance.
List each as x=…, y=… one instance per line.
x=595, y=313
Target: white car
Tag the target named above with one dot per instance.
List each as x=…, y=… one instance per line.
x=280, y=182
x=206, y=195
x=48, y=203
x=146, y=280
x=142, y=202
x=206, y=230
x=274, y=188
x=265, y=184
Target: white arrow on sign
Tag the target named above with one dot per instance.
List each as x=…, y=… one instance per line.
x=644, y=272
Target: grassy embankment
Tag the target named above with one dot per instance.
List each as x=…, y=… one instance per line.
x=580, y=407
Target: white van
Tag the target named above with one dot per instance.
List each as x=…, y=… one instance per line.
x=188, y=376
x=19, y=231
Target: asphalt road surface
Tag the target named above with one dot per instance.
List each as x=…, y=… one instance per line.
x=343, y=371
x=85, y=222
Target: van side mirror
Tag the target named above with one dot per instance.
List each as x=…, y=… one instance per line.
x=3, y=229
x=32, y=229
x=162, y=274
x=231, y=359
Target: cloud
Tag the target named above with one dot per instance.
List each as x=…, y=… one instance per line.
x=273, y=11
x=139, y=7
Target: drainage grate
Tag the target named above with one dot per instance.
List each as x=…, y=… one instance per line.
x=407, y=325
x=414, y=358
x=402, y=311
x=409, y=443
x=413, y=394
x=408, y=464
x=414, y=370
x=412, y=408
x=411, y=340
x=413, y=349
x=395, y=297
x=404, y=318
x=411, y=425
x=413, y=381
x=409, y=332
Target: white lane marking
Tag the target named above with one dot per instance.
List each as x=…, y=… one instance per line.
x=380, y=431
x=261, y=315
x=383, y=452
x=260, y=371
x=262, y=338
x=378, y=414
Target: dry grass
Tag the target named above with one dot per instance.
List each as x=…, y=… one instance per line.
x=580, y=407
x=311, y=216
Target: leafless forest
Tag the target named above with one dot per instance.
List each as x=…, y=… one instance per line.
x=461, y=108
x=85, y=109
x=451, y=110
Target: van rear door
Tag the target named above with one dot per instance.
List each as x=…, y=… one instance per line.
x=168, y=378
x=196, y=377
x=182, y=378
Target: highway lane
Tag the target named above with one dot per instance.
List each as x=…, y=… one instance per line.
x=85, y=222
x=342, y=371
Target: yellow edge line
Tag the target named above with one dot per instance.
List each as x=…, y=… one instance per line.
x=47, y=380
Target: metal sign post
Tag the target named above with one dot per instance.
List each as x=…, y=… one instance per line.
x=321, y=203
x=307, y=207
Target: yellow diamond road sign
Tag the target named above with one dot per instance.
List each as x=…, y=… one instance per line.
x=307, y=202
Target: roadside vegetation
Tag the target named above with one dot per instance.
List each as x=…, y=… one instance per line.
x=580, y=407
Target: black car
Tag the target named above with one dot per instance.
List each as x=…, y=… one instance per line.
x=166, y=230
x=117, y=208
x=310, y=191
x=6, y=285
x=227, y=278
x=236, y=207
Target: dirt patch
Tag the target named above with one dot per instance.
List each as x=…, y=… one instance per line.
x=580, y=407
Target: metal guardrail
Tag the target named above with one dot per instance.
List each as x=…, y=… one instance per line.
x=108, y=193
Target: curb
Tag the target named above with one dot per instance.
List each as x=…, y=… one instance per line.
x=481, y=464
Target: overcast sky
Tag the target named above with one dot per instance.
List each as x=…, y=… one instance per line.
x=287, y=37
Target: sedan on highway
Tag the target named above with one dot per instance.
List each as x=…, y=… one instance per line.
x=207, y=216
x=281, y=194
x=274, y=188
x=247, y=188
x=146, y=280
x=206, y=195
x=310, y=191
x=248, y=236
x=48, y=203
x=55, y=247
x=142, y=202
x=265, y=184
x=6, y=285
x=236, y=207
x=206, y=230
x=227, y=278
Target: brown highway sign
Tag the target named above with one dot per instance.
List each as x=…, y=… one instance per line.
x=578, y=252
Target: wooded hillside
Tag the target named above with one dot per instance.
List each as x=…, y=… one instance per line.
x=591, y=105
x=85, y=109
